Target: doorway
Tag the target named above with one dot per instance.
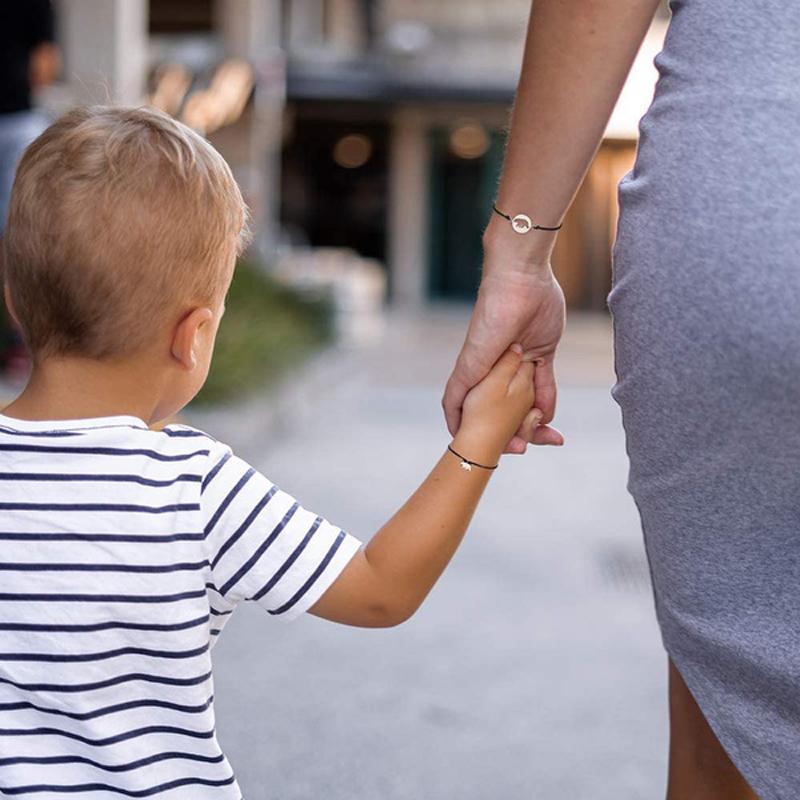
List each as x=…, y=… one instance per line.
x=463, y=179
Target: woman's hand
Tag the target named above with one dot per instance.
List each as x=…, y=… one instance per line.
x=514, y=305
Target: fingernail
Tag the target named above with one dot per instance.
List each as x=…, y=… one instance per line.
x=517, y=348
x=537, y=418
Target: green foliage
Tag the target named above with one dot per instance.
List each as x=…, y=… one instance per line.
x=267, y=330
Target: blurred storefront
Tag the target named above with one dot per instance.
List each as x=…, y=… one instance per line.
x=396, y=112
x=375, y=126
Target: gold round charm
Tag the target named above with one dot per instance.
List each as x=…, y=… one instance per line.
x=521, y=223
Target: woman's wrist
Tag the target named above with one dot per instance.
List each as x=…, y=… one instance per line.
x=524, y=252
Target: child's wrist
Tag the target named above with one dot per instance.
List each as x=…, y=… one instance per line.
x=478, y=446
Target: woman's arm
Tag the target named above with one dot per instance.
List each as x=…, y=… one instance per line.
x=577, y=56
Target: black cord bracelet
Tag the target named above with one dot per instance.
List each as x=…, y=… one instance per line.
x=521, y=223
x=466, y=464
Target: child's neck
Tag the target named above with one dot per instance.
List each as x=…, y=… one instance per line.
x=79, y=388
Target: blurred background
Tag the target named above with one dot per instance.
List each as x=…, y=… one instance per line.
x=368, y=136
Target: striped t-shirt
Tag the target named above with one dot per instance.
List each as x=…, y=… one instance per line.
x=122, y=553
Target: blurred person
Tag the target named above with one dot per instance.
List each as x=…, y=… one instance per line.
x=706, y=305
x=126, y=549
x=29, y=58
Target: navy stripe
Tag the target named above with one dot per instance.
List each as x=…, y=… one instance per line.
x=115, y=681
x=64, y=477
x=89, y=428
x=250, y=563
x=100, y=507
x=130, y=765
x=289, y=561
x=186, y=566
x=216, y=613
x=310, y=582
x=103, y=598
x=217, y=467
x=77, y=431
x=101, y=451
x=104, y=787
x=106, y=710
x=228, y=499
x=104, y=626
x=180, y=433
x=108, y=740
x=156, y=538
x=55, y=433
x=215, y=631
x=236, y=535
x=103, y=655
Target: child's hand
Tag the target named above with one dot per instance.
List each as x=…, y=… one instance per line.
x=495, y=408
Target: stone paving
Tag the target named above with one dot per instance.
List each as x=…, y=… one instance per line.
x=533, y=672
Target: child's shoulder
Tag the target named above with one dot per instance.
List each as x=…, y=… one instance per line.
x=185, y=438
x=117, y=441
x=180, y=448
x=176, y=430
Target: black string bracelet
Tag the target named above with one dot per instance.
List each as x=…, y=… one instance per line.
x=466, y=464
x=522, y=223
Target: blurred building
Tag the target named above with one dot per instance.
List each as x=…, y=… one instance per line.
x=186, y=56
x=396, y=117
x=372, y=125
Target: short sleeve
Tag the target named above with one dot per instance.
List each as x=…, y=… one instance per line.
x=262, y=545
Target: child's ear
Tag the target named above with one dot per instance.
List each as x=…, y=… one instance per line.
x=186, y=338
x=10, y=304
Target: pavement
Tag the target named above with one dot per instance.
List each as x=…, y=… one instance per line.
x=533, y=672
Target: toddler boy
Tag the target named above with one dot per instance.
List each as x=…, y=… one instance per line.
x=125, y=549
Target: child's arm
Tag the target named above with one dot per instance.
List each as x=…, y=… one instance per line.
x=386, y=582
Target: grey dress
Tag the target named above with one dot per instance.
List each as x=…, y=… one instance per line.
x=706, y=304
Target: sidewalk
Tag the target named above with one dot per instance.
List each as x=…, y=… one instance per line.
x=534, y=671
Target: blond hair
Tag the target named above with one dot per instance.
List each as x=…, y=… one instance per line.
x=119, y=218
